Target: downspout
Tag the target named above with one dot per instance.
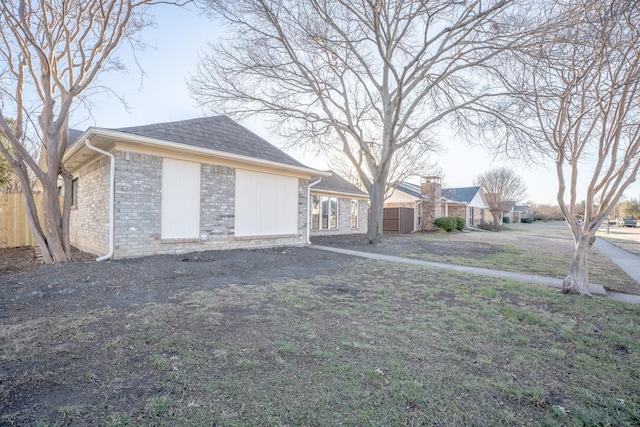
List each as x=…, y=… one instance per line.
x=309, y=209
x=112, y=194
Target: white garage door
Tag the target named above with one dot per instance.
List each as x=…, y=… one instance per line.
x=266, y=204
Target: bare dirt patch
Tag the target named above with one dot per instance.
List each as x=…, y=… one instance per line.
x=15, y=260
x=296, y=336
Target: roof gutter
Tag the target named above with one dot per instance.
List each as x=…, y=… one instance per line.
x=311, y=184
x=112, y=188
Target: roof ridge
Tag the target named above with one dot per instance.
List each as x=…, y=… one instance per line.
x=173, y=122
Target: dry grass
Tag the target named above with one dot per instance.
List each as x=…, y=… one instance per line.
x=370, y=344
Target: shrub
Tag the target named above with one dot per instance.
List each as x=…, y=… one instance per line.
x=446, y=223
x=506, y=219
x=485, y=226
x=526, y=220
x=460, y=223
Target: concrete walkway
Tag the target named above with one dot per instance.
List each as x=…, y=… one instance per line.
x=628, y=262
x=520, y=277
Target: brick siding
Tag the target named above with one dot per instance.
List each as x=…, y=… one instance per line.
x=344, y=219
x=138, y=214
x=89, y=220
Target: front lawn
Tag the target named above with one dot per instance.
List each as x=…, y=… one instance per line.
x=544, y=249
x=364, y=343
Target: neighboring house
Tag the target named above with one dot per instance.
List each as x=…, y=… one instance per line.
x=523, y=211
x=425, y=200
x=510, y=212
x=466, y=202
x=429, y=201
x=514, y=212
x=337, y=207
x=184, y=186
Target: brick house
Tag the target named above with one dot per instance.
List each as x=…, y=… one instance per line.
x=468, y=203
x=516, y=213
x=425, y=200
x=430, y=201
x=337, y=207
x=184, y=186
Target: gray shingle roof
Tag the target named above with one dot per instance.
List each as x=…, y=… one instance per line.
x=462, y=195
x=218, y=133
x=74, y=134
x=411, y=189
x=338, y=184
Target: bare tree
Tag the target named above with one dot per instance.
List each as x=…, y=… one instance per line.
x=545, y=211
x=9, y=181
x=5, y=171
x=367, y=77
x=579, y=87
x=409, y=161
x=502, y=187
x=51, y=52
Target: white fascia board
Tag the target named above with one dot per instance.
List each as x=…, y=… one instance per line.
x=159, y=143
x=338, y=193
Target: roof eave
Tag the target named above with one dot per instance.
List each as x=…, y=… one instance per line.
x=339, y=193
x=159, y=143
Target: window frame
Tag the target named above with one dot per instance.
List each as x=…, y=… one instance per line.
x=355, y=214
x=74, y=193
x=327, y=216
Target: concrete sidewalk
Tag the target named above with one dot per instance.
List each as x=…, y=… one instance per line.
x=519, y=277
x=628, y=262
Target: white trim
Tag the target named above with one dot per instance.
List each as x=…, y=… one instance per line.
x=340, y=194
x=122, y=136
x=311, y=184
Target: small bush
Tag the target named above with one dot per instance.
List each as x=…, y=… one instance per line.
x=447, y=223
x=485, y=226
x=506, y=219
x=460, y=223
x=526, y=220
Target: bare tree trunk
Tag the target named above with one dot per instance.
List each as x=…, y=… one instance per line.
x=53, y=219
x=32, y=216
x=66, y=213
x=497, y=217
x=376, y=213
x=577, y=281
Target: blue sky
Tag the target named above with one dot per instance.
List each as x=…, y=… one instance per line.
x=178, y=40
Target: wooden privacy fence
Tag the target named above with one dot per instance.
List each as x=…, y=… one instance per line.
x=397, y=220
x=14, y=225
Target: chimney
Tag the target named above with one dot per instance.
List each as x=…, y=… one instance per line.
x=431, y=187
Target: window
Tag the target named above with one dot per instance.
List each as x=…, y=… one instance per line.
x=265, y=204
x=354, y=214
x=324, y=213
x=333, y=213
x=74, y=192
x=180, y=199
x=315, y=212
